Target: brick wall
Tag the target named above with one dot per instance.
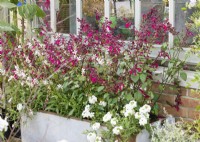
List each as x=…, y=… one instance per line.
x=190, y=100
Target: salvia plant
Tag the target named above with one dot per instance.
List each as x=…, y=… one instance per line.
x=93, y=75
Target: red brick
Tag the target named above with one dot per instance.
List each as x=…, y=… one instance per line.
x=189, y=102
x=194, y=93
x=167, y=98
x=194, y=114
x=182, y=112
x=169, y=89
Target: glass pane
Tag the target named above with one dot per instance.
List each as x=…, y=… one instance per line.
x=46, y=8
x=66, y=17
x=147, y=5
x=122, y=12
x=162, y=8
x=182, y=17
x=90, y=9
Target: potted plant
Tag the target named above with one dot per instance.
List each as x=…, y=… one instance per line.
x=93, y=76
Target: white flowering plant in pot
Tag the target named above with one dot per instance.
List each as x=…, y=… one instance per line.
x=119, y=126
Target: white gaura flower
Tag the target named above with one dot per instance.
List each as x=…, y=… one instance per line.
x=117, y=130
x=113, y=121
x=35, y=81
x=83, y=71
x=10, y=78
x=100, y=61
x=98, y=139
x=96, y=126
x=92, y=99
x=10, y=100
x=3, y=125
x=108, y=62
x=107, y=117
x=45, y=82
x=102, y=103
x=59, y=86
x=143, y=121
x=28, y=60
x=79, y=58
x=19, y=107
x=19, y=46
x=91, y=137
x=62, y=140
x=145, y=109
x=37, y=53
x=2, y=71
x=30, y=113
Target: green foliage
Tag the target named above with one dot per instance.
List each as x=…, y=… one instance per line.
x=7, y=4
x=171, y=132
x=5, y=26
x=194, y=128
x=29, y=11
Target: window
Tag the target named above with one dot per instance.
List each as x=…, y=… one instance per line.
x=114, y=9
x=122, y=12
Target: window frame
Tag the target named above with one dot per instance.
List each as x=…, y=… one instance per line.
x=192, y=60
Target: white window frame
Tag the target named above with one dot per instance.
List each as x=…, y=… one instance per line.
x=138, y=17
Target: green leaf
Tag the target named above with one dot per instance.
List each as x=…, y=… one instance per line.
x=106, y=95
x=81, y=78
x=138, y=96
x=28, y=11
x=143, y=77
x=163, y=61
x=164, y=47
x=99, y=89
x=71, y=112
x=135, y=78
x=7, y=4
x=5, y=27
x=39, y=12
x=155, y=109
x=129, y=97
x=183, y=75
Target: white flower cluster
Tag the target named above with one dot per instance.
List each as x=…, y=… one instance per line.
x=116, y=130
x=3, y=125
x=86, y=113
x=92, y=137
x=96, y=126
x=92, y=99
x=75, y=55
x=102, y=103
x=129, y=108
x=19, y=73
x=20, y=107
x=107, y=117
x=143, y=114
x=113, y=121
x=100, y=61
